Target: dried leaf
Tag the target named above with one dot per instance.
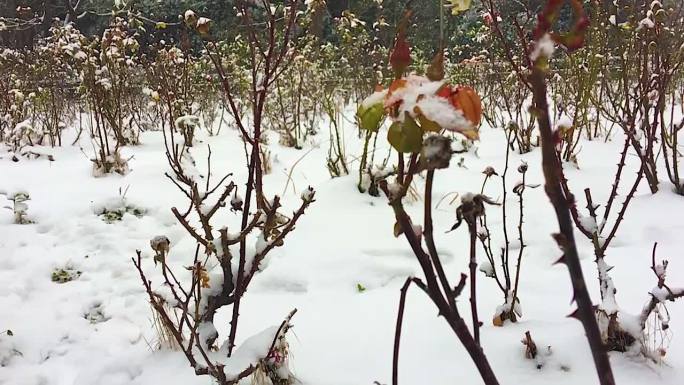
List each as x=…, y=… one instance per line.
x=436, y=70
x=397, y=230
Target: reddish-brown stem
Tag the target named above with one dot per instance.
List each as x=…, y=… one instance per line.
x=551, y=167
x=472, y=229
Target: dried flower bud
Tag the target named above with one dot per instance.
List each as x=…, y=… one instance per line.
x=236, y=202
x=435, y=71
x=308, y=195
x=472, y=206
x=489, y=171
x=522, y=168
x=161, y=245
x=190, y=18
x=519, y=188
x=203, y=25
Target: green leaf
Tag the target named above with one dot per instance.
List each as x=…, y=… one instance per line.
x=360, y=288
x=406, y=137
x=428, y=125
x=160, y=25
x=371, y=118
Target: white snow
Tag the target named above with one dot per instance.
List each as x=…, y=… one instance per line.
x=251, y=351
x=340, y=336
x=588, y=222
x=189, y=14
x=203, y=21
x=564, y=122
x=646, y=23
x=374, y=98
x=544, y=47
x=418, y=96
x=487, y=268
x=440, y=111
x=660, y=293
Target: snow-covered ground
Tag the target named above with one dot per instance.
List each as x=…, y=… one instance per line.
x=97, y=329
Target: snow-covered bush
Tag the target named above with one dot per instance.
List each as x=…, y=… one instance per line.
x=295, y=109
x=40, y=99
x=110, y=82
x=114, y=209
x=19, y=206
x=225, y=262
x=182, y=90
x=634, y=89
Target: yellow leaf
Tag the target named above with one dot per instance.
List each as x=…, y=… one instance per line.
x=370, y=118
x=426, y=124
x=458, y=6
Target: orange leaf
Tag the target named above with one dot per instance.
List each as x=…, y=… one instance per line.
x=397, y=84
x=467, y=100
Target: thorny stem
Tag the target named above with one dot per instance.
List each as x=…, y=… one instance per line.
x=432, y=286
x=505, y=249
x=400, y=320
x=487, y=242
x=430, y=241
x=561, y=203
x=522, y=243
x=472, y=229
x=241, y=265
x=673, y=294
x=616, y=183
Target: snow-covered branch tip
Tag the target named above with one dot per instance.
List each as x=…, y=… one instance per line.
x=661, y=293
